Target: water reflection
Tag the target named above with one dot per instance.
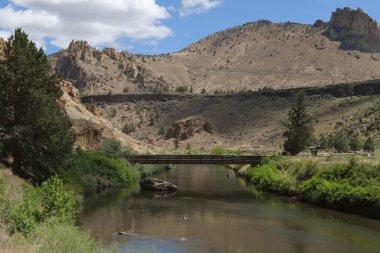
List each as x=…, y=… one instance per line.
x=223, y=215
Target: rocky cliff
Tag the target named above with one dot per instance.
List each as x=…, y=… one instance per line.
x=2, y=45
x=187, y=128
x=89, y=128
x=102, y=72
x=355, y=30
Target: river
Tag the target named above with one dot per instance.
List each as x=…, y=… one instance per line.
x=213, y=213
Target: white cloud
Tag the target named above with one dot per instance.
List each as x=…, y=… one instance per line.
x=190, y=7
x=100, y=22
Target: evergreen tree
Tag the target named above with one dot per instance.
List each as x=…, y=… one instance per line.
x=341, y=142
x=33, y=129
x=176, y=142
x=299, y=132
x=355, y=142
x=369, y=145
x=323, y=142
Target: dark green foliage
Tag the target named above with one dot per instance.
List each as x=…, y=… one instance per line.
x=126, y=90
x=112, y=147
x=323, y=142
x=191, y=89
x=355, y=142
x=369, y=145
x=33, y=129
x=352, y=187
x=181, y=89
x=188, y=147
x=129, y=128
x=161, y=131
x=91, y=171
x=340, y=141
x=203, y=91
x=268, y=178
x=176, y=142
x=39, y=204
x=299, y=128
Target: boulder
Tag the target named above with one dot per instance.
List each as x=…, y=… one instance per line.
x=187, y=128
x=154, y=184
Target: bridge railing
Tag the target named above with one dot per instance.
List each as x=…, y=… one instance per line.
x=193, y=159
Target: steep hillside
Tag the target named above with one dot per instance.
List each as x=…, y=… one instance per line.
x=102, y=72
x=265, y=54
x=251, y=56
x=88, y=125
x=247, y=122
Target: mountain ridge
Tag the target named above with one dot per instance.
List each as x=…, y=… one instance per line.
x=252, y=56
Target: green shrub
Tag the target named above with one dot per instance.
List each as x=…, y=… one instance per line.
x=181, y=89
x=112, y=147
x=161, y=131
x=218, y=151
x=268, y=178
x=39, y=204
x=129, y=128
x=89, y=171
x=352, y=186
x=55, y=236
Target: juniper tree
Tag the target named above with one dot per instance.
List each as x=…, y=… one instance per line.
x=299, y=128
x=323, y=142
x=369, y=145
x=34, y=131
x=355, y=142
x=341, y=142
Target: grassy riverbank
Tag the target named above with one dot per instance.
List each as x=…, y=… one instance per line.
x=42, y=218
x=351, y=186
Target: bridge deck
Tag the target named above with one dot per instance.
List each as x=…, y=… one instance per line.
x=193, y=159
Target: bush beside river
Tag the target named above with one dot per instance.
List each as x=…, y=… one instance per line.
x=42, y=218
x=350, y=186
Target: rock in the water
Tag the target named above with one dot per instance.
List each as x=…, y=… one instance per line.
x=168, y=167
x=154, y=184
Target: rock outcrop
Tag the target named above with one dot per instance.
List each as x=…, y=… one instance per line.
x=355, y=30
x=91, y=129
x=2, y=45
x=154, y=184
x=102, y=72
x=187, y=128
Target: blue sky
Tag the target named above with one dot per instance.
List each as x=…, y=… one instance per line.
x=162, y=26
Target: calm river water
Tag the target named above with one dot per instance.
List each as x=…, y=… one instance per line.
x=213, y=213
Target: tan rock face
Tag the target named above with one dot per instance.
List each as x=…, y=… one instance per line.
x=102, y=72
x=355, y=29
x=185, y=129
x=2, y=46
x=89, y=127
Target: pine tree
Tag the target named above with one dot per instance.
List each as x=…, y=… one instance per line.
x=355, y=142
x=176, y=142
x=33, y=129
x=369, y=145
x=341, y=142
x=299, y=132
x=323, y=142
